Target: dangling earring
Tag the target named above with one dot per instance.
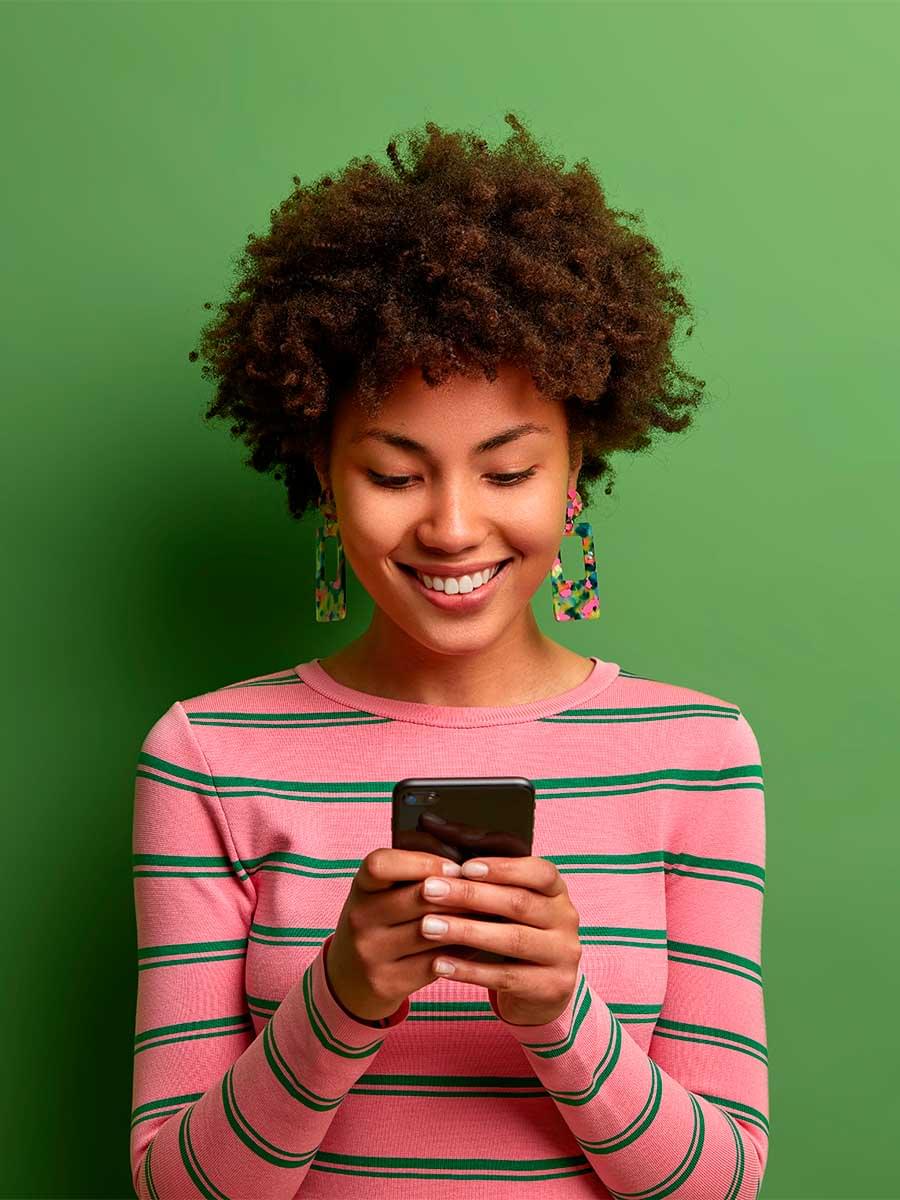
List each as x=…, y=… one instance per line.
x=331, y=600
x=575, y=599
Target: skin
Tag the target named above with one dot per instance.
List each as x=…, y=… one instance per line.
x=450, y=511
x=381, y=952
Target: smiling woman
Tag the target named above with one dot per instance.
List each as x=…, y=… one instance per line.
x=441, y=353
x=463, y=638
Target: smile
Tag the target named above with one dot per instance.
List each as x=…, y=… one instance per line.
x=458, y=601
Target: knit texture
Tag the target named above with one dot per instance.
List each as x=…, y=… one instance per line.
x=254, y=805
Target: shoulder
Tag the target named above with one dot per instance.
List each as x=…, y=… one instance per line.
x=239, y=690
x=645, y=688
x=665, y=700
x=178, y=724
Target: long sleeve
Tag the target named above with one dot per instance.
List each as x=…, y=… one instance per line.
x=217, y=1110
x=689, y=1118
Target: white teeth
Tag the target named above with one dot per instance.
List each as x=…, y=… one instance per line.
x=464, y=583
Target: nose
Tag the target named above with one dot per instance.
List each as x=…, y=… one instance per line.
x=454, y=519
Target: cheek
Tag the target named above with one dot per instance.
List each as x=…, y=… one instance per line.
x=536, y=535
x=366, y=547
x=370, y=528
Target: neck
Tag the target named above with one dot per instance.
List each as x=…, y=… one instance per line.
x=520, y=666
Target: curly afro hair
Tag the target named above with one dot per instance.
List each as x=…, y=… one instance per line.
x=455, y=259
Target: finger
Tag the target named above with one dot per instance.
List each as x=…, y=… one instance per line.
x=521, y=905
x=503, y=977
x=538, y=874
x=512, y=941
x=382, y=868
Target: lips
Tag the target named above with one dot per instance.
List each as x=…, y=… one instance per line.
x=460, y=603
x=452, y=574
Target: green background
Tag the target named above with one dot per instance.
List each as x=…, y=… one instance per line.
x=753, y=557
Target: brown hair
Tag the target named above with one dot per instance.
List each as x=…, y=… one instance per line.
x=455, y=259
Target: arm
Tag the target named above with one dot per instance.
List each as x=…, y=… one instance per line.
x=216, y=1109
x=690, y=1117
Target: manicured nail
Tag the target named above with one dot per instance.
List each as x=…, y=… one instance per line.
x=474, y=868
x=434, y=925
x=450, y=868
x=443, y=967
x=436, y=887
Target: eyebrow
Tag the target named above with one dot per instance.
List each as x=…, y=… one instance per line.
x=402, y=442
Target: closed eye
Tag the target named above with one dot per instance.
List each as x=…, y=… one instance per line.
x=398, y=482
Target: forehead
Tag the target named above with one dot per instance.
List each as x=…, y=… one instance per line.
x=462, y=411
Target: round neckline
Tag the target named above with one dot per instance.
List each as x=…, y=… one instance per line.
x=456, y=716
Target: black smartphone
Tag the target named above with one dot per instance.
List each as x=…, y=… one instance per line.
x=462, y=818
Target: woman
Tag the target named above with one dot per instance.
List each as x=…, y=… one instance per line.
x=443, y=356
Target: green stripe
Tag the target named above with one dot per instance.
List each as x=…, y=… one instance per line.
x=201, y=1180
x=288, y=721
x=180, y=954
x=315, y=935
x=360, y=716
x=280, y=678
x=752, y=1116
x=580, y=1007
x=288, y=1079
x=638, y=1125
x=641, y=715
x=522, y=1170
x=577, y=787
x=163, y=866
x=290, y=863
x=190, y=1031
x=325, y=1035
x=252, y=1138
x=148, y=1173
x=710, y=1035
x=153, y=1109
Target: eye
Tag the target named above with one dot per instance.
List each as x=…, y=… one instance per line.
x=398, y=482
x=516, y=477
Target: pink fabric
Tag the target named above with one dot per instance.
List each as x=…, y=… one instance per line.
x=253, y=807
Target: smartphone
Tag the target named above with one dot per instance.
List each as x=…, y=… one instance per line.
x=462, y=818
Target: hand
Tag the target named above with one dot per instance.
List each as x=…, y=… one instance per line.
x=542, y=934
x=378, y=956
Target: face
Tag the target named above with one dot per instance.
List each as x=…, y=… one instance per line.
x=451, y=505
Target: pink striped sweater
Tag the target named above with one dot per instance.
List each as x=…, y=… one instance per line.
x=254, y=805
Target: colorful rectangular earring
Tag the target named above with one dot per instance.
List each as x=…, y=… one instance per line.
x=331, y=600
x=576, y=599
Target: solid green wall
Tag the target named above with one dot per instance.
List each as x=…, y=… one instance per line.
x=753, y=557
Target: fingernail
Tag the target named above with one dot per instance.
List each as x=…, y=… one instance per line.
x=450, y=868
x=474, y=868
x=443, y=967
x=436, y=887
x=434, y=925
